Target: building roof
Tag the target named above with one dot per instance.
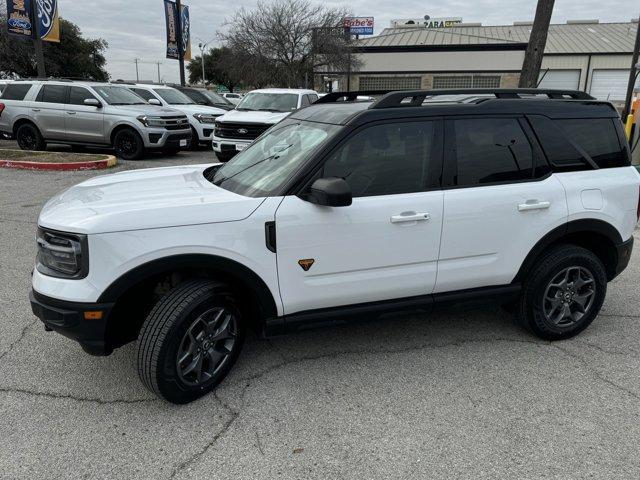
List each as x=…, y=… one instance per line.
x=562, y=39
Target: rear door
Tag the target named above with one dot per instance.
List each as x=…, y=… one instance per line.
x=499, y=200
x=84, y=123
x=48, y=111
x=383, y=246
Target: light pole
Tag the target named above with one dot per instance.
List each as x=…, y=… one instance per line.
x=202, y=46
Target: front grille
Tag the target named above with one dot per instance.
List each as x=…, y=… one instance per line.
x=241, y=131
x=176, y=123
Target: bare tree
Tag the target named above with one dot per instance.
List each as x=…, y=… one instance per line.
x=278, y=36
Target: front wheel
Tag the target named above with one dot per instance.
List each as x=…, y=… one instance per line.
x=190, y=341
x=128, y=145
x=563, y=293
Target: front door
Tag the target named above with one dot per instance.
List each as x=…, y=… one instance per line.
x=383, y=246
x=85, y=123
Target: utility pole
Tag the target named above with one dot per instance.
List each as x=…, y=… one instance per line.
x=536, y=45
x=37, y=41
x=202, y=47
x=136, y=60
x=158, y=64
x=633, y=75
x=180, y=46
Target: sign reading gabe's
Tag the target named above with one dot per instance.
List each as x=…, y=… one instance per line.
x=358, y=25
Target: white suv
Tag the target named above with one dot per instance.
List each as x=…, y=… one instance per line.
x=201, y=117
x=345, y=210
x=256, y=112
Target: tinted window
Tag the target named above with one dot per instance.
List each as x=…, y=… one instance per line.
x=16, y=91
x=559, y=151
x=597, y=137
x=77, y=95
x=173, y=96
x=491, y=150
x=146, y=94
x=384, y=159
x=312, y=97
x=52, y=94
x=305, y=101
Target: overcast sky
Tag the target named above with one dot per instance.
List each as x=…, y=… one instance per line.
x=136, y=28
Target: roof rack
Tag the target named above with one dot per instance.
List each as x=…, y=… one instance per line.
x=416, y=98
x=348, y=96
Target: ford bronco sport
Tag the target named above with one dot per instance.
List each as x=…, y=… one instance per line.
x=345, y=209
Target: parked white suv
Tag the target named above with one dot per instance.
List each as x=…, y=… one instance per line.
x=89, y=114
x=345, y=210
x=201, y=117
x=258, y=110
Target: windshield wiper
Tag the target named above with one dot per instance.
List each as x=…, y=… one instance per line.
x=276, y=155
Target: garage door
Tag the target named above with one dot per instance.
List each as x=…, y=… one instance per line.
x=610, y=84
x=562, y=79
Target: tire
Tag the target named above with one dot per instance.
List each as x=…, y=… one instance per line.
x=224, y=157
x=563, y=278
x=195, y=140
x=128, y=144
x=175, y=327
x=29, y=137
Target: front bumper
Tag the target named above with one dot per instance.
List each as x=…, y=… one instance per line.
x=68, y=319
x=623, y=255
x=204, y=130
x=162, y=138
x=229, y=145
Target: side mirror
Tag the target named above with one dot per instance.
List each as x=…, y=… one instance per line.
x=154, y=101
x=330, y=192
x=92, y=102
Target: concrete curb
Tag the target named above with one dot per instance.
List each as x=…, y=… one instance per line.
x=108, y=162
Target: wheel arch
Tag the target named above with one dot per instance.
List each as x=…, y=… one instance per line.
x=123, y=126
x=22, y=121
x=596, y=235
x=135, y=292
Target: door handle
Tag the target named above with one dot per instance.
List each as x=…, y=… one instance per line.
x=410, y=217
x=71, y=113
x=35, y=109
x=533, y=205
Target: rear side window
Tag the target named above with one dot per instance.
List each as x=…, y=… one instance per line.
x=16, y=91
x=52, y=94
x=491, y=150
x=599, y=138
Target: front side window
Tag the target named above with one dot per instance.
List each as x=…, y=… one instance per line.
x=385, y=159
x=269, y=102
x=77, y=95
x=268, y=163
x=491, y=150
x=52, y=94
x=118, y=95
x=173, y=96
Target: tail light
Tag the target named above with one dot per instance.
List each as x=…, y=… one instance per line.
x=637, y=211
x=1, y=108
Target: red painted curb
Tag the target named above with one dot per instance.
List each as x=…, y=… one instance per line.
x=60, y=166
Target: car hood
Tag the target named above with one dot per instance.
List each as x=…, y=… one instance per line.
x=135, y=110
x=193, y=109
x=239, y=116
x=144, y=199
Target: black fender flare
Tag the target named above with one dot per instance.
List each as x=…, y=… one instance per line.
x=239, y=274
x=576, y=226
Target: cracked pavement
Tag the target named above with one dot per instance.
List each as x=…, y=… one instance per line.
x=454, y=393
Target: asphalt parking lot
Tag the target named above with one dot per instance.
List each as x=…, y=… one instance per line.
x=455, y=393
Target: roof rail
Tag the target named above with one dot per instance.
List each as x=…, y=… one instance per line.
x=348, y=96
x=416, y=97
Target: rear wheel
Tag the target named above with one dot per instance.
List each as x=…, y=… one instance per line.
x=190, y=341
x=29, y=137
x=563, y=293
x=128, y=145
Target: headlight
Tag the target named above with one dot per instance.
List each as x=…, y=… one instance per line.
x=205, y=117
x=62, y=255
x=151, y=121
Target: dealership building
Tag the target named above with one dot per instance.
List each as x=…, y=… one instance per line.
x=413, y=54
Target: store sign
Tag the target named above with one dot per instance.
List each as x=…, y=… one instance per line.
x=49, y=20
x=358, y=25
x=444, y=22
x=171, y=17
x=19, y=18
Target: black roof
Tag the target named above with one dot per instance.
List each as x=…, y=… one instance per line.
x=396, y=105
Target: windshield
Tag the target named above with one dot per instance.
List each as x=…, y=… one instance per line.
x=270, y=102
x=215, y=98
x=173, y=96
x=118, y=96
x=264, y=167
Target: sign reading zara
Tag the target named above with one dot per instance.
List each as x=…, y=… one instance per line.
x=358, y=25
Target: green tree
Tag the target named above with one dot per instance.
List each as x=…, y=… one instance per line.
x=74, y=57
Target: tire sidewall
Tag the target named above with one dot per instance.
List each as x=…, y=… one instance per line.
x=534, y=294
x=168, y=380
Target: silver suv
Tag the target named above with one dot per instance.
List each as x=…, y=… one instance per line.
x=89, y=114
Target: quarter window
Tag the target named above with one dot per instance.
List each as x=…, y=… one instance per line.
x=491, y=150
x=385, y=159
x=16, y=91
x=52, y=94
x=597, y=137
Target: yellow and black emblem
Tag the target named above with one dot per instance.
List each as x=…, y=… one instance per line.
x=306, y=263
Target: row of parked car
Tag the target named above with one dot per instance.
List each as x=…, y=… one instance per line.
x=133, y=118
